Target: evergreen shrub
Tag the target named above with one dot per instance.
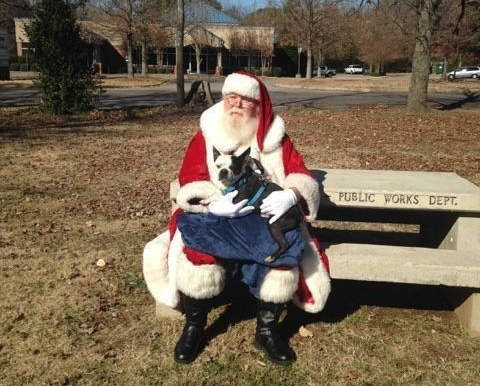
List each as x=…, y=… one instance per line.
x=66, y=82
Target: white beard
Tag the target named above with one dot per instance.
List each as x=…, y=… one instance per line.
x=242, y=129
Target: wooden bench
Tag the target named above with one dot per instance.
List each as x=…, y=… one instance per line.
x=446, y=248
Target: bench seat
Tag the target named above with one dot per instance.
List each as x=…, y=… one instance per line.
x=412, y=265
x=444, y=205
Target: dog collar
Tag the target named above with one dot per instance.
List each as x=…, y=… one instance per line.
x=242, y=181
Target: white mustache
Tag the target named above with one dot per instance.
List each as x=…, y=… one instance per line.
x=235, y=110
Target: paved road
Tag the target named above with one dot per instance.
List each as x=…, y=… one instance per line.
x=281, y=97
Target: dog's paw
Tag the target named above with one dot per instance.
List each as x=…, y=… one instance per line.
x=210, y=199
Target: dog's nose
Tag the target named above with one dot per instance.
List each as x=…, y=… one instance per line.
x=223, y=174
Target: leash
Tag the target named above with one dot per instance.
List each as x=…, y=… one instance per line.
x=242, y=181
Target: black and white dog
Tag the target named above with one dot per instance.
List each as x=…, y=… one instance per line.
x=247, y=175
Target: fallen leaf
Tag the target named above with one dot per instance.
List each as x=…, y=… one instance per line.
x=305, y=333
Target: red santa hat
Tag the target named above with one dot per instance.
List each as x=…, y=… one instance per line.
x=248, y=85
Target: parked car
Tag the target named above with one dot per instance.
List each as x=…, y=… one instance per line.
x=464, y=72
x=354, y=69
x=324, y=71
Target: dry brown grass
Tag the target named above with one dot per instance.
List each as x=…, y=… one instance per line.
x=390, y=82
x=77, y=189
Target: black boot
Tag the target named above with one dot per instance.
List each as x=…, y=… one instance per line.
x=267, y=337
x=188, y=345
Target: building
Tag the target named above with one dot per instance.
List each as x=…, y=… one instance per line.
x=4, y=56
x=214, y=43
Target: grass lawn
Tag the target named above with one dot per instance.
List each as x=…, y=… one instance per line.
x=74, y=190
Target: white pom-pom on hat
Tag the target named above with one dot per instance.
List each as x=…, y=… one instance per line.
x=242, y=85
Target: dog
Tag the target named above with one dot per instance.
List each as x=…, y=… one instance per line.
x=247, y=175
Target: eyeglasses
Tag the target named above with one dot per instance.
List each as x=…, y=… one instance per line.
x=232, y=99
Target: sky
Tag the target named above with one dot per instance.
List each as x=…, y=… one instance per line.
x=244, y=3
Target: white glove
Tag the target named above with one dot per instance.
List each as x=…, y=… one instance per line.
x=226, y=208
x=277, y=203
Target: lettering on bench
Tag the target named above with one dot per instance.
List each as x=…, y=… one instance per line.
x=386, y=199
x=356, y=197
x=442, y=200
x=411, y=199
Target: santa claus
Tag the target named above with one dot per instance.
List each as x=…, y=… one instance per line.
x=173, y=272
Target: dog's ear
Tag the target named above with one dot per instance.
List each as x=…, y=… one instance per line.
x=245, y=154
x=216, y=153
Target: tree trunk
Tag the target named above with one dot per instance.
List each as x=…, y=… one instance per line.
x=144, y=58
x=417, y=93
x=308, y=75
x=198, y=52
x=444, y=68
x=129, y=56
x=179, y=53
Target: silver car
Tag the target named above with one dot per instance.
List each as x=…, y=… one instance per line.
x=464, y=72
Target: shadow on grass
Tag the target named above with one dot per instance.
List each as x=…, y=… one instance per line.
x=470, y=97
x=346, y=298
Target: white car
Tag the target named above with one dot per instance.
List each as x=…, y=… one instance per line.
x=324, y=71
x=464, y=72
x=354, y=69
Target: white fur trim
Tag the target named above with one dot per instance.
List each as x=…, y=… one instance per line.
x=243, y=85
x=211, y=125
x=308, y=188
x=278, y=286
x=199, y=281
x=273, y=164
x=196, y=189
x=156, y=271
x=275, y=134
x=316, y=277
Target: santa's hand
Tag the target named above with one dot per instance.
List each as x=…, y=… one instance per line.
x=226, y=208
x=277, y=203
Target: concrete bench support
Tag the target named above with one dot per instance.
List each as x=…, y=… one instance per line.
x=469, y=314
x=164, y=312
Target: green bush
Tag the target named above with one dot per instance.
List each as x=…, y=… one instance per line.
x=14, y=66
x=66, y=82
x=277, y=71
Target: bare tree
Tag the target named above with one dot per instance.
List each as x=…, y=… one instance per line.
x=120, y=15
x=200, y=37
x=307, y=20
x=234, y=41
x=250, y=45
x=151, y=27
x=179, y=53
x=427, y=11
x=457, y=37
x=377, y=38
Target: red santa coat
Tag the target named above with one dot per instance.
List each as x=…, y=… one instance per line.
x=169, y=267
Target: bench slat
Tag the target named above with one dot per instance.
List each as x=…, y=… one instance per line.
x=404, y=265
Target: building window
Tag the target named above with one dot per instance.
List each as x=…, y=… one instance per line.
x=3, y=42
